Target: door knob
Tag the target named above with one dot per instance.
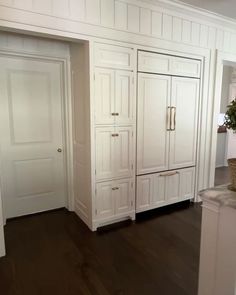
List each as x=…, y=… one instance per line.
x=59, y=150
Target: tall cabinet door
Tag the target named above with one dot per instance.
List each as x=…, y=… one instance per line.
x=152, y=135
x=124, y=97
x=185, y=97
x=105, y=167
x=124, y=151
x=104, y=96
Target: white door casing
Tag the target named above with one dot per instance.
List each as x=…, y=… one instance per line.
x=183, y=139
x=152, y=135
x=31, y=131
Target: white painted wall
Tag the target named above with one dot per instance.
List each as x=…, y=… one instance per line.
x=222, y=137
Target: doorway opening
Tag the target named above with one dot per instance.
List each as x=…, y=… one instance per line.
x=226, y=139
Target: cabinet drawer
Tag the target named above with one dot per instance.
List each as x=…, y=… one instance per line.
x=166, y=64
x=113, y=56
x=160, y=189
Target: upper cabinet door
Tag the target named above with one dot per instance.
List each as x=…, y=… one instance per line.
x=124, y=97
x=105, y=166
x=124, y=152
x=152, y=123
x=111, y=56
x=183, y=138
x=104, y=96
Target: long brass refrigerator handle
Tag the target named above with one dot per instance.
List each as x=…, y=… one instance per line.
x=173, y=118
x=169, y=119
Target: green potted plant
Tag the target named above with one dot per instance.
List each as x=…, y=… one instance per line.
x=230, y=123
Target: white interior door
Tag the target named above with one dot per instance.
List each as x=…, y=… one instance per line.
x=152, y=137
x=32, y=169
x=183, y=137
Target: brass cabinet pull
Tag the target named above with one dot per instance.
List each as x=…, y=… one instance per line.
x=115, y=134
x=115, y=188
x=169, y=119
x=169, y=173
x=115, y=114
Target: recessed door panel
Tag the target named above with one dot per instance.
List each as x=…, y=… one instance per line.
x=183, y=138
x=159, y=190
x=105, y=166
x=172, y=187
x=152, y=123
x=144, y=192
x=124, y=151
x=187, y=183
x=105, y=206
x=104, y=96
x=124, y=97
x=124, y=196
x=31, y=133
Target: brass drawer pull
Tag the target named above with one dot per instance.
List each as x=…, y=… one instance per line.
x=169, y=118
x=115, y=188
x=169, y=173
x=115, y=134
x=115, y=114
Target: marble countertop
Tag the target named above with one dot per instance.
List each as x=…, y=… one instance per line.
x=220, y=195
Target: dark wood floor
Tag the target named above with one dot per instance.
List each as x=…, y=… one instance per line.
x=55, y=253
x=222, y=175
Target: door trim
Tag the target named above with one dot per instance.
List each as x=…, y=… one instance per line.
x=67, y=133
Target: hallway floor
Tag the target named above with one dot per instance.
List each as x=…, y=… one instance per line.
x=55, y=253
x=222, y=176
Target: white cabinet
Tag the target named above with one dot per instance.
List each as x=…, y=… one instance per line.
x=152, y=135
x=167, y=122
x=116, y=57
x=114, y=198
x=183, y=137
x=114, y=96
x=159, y=189
x=104, y=96
x=114, y=152
x=158, y=63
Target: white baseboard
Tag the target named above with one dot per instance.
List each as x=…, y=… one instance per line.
x=2, y=242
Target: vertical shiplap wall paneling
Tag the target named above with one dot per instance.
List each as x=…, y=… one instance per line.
x=219, y=39
x=93, y=11
x=133, y=18
x=121, y=15
x=186, y=31
x=77, y=9
x=145, y=21
x=226, y=41
x=6, y=2
x=204, y=35
x=43, y=6
x=212, y=37
x=195, y=33
x=107, y=13
x=156, y=23
x=26, y=4
x=167, y=27
x=61, y=8
x=177, y=29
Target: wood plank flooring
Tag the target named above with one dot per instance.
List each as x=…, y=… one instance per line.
x=55, y=253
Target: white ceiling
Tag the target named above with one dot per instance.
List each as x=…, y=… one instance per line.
x=223, y=7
